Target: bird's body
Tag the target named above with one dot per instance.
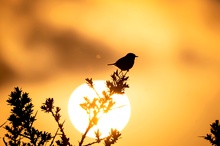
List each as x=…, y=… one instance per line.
x=125, y=63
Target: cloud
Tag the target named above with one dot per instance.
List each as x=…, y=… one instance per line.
x=33, y=50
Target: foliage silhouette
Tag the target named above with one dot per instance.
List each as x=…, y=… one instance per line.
x=214, y=137
x=20, y=124
x=49, y=107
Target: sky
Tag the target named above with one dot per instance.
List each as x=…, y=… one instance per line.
x=48, y=48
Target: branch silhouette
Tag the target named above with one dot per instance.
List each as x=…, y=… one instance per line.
x=102, y=104
x=214, y=137
x=20, y=124
x=49, y=107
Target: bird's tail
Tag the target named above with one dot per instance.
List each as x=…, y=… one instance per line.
x=111, y=64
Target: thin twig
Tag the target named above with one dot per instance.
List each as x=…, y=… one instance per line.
x=54, y=137
x=34, y=118
x=84, y=135
x=118, y=107
x=96, y=92
x=3, y=124
x=5, y=141
x=93, y=142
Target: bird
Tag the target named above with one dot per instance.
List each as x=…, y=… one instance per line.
x=125, y=63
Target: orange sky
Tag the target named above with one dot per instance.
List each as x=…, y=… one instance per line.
x=49, y=47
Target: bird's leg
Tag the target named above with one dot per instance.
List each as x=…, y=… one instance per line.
x=125, y=73
x=121, y=74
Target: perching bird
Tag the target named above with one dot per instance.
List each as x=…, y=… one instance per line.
x=125, y=63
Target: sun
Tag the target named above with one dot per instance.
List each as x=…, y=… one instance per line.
x=116, y=118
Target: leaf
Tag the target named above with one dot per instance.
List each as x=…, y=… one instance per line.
x=89, y=82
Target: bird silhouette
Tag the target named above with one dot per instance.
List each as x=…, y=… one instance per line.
x=125, y=63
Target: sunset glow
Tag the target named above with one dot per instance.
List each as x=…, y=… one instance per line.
x=48, y=48
x=116, y=118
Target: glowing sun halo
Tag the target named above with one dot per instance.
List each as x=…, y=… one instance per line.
x=117, y=118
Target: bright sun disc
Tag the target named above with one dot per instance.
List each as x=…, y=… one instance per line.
x=116, y=118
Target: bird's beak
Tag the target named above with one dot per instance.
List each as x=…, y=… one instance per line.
x=136, y=56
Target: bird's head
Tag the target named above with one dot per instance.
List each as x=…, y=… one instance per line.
x=131, y=55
